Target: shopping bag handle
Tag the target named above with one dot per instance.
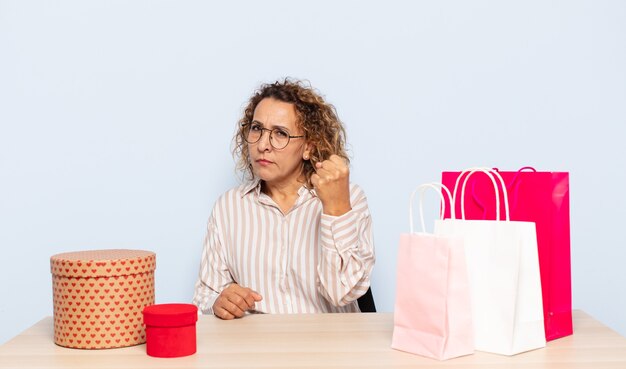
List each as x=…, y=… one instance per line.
x=512, y=186
x=421, y=188
x=491, y=173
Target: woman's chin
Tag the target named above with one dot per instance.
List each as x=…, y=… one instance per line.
x=263, y=174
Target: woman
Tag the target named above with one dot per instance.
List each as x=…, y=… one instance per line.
x=296, y=238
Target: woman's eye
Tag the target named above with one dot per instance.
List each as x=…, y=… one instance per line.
x=256, y=127
x=280, y=133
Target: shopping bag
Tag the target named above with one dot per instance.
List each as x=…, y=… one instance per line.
x=543, y=198
x=432, y=314
x=503, y=269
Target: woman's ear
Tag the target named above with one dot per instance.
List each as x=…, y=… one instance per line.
x=306, y=155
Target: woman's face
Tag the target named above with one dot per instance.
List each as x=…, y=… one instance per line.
x=277, y=166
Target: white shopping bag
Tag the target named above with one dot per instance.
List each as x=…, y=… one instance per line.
x=503, y=268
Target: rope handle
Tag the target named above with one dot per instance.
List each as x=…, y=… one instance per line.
x=493, y=175
x=421, y=188
x=512, y=186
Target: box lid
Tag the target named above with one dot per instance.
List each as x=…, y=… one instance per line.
x=102, y=263
x=170, y=315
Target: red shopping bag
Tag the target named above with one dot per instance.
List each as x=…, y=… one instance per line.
x=543, y=198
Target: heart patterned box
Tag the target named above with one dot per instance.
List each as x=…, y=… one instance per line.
x=99, y=297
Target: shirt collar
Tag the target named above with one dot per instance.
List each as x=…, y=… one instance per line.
x=255, y=185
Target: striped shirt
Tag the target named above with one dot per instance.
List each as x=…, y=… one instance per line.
x=303, y=261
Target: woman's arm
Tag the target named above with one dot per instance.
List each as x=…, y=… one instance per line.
x=216, y=292
x=214, y=274
x=347, y=256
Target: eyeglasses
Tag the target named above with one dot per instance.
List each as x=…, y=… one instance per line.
x=279, y=138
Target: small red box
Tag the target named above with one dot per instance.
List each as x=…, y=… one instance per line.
x=170, y=329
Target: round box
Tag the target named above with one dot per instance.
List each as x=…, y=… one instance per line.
x=170, y=329
x=99, y=295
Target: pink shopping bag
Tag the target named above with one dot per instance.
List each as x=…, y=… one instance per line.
x=432, y=315
x=543, y=198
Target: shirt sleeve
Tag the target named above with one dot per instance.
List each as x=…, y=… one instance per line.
x=214, y=274
x=347, y=255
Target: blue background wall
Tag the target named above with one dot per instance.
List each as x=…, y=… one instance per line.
x=116, y=119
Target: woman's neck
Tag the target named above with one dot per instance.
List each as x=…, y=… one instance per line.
x=284, y=194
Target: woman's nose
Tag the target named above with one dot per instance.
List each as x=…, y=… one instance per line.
x=264, y=143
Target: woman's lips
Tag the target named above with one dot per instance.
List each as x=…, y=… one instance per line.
x=264, y=162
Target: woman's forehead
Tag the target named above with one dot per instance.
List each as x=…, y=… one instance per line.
x=271, y=112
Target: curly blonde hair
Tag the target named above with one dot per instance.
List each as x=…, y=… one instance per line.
x=317, y=118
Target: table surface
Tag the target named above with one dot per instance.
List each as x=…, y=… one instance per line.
x=312, y=341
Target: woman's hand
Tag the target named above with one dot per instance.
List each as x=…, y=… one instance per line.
x=332, y=185
x=234, y=301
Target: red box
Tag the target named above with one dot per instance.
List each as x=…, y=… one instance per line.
x=170, y=329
